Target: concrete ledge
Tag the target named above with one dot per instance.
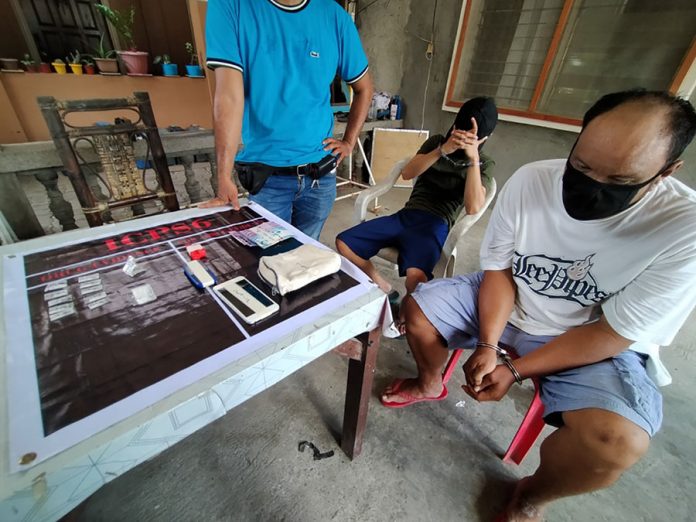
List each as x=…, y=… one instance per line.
x=24, y=157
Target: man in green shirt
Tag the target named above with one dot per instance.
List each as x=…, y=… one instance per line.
x=450, y=175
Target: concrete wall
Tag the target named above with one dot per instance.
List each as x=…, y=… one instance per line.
x=394, y=49
x=175, y=101
x=382, y=27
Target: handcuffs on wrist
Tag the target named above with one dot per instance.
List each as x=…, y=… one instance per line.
x=462, y=164
x=504, y=356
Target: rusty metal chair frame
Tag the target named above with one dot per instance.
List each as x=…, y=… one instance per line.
x=113, y=144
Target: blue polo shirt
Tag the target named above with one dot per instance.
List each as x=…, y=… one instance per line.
x=288, y=56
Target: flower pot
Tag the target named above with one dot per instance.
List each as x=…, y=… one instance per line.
x=9, y=64
x=89, y=68
x=33, y=68
x=107, y=65
x=60, y=68
x=170, y=69
x=136, y=62
x=194, y=70
x=45, y=67
x=76, y=68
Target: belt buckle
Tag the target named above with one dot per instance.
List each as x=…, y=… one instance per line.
x=297, y=169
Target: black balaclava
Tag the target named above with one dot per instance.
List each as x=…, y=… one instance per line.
x=484, y=110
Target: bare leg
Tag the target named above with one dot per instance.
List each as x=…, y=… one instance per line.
x=589, y=453
x=428, y=350
x=414, y=276
x=363, y=264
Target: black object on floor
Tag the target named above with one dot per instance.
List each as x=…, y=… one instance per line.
x=318, y=455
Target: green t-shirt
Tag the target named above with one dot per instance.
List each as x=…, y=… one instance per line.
x=440, y=189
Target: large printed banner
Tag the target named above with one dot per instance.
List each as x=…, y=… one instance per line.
x=100, y=336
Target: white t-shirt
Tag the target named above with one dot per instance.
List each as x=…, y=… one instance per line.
x=637, y=267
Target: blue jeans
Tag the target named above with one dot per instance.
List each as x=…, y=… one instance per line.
x=295, y=200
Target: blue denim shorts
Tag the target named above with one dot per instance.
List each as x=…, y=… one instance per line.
x=417, y=235
x=620, y=384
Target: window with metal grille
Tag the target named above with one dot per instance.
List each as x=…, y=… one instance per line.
x=549, y=60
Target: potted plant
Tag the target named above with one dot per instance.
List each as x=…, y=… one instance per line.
x=104, y=58
x=59, y=66
x=193, y=69
x=44, y=66
x=88, y=62
x=136, y=62
x=168, y=68
x=29, y=64
x=75, y=62
x=9, y=64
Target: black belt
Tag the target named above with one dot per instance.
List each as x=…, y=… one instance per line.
x=313, y=170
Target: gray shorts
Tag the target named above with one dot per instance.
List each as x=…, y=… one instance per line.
x=620, y=385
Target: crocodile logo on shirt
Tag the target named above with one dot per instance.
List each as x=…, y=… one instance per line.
x=557, y=278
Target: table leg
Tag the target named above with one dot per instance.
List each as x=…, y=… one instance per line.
x=358, y=389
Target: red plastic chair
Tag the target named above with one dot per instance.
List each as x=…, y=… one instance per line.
x=533, y=421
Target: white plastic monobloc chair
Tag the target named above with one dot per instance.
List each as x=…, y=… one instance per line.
x=448, y=258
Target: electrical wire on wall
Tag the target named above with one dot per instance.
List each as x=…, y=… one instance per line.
x=430, y=50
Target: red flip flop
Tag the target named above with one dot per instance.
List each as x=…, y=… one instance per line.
x=410, y=398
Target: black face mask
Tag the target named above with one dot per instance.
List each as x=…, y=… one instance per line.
x=586, y=199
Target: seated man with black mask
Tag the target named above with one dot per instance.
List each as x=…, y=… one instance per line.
x=450, y=174
x=589, y=265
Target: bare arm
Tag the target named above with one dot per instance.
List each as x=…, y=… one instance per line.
x=228, y=109
x=495, y=302
x=577, y=347
x=419, y=164
x=362, y=97
x=422, y=162
x=474, y=191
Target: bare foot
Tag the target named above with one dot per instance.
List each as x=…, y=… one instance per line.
x=520, y=508
x=383, y=284
x=404, y=390
x=400, y=325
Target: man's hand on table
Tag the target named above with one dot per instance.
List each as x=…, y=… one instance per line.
x=227, y=195
x=339, y=148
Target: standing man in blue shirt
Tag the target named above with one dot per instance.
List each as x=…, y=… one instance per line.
x=274, y=61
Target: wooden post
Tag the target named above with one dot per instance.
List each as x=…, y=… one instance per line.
x=49, y=109
x=159, y=160
x=358, y=389
x=197, y=13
